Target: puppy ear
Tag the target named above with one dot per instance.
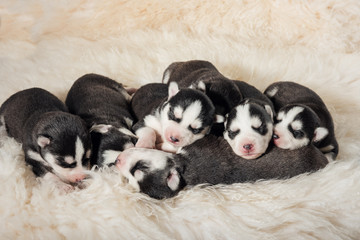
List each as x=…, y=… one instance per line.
x=269, y=111
x=43, y=141
x=100, y=128
x=201, y=86
x=173, y=89
x=320, y=133
x=173, y=180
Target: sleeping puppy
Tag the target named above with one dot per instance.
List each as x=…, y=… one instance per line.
x=104, y=105
x=210, y=161
x=169, y=118
x=249, y=125
x=204, y=76
x=302, y=119
x=56, y=143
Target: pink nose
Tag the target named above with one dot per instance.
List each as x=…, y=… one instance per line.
x=120, y=161
x=248, y=146
x=78, y=178
x=174, y=139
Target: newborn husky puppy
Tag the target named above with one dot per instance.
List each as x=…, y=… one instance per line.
x=169, y=118
x=249, y=126
x=204, y=76
x=56, y=143
x=302, y=118
x=104, y=105
x=209, y=160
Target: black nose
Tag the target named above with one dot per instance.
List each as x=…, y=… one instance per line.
x=174, y=139
x=275, y=136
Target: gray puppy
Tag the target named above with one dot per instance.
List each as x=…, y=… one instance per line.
x=204, y=76
x=302, y=119
x=104, y=105
x=56, y=143
x=169, y=117
x=210, y=160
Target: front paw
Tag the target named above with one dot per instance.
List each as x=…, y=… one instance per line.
x=64, y=188
x=145, y=143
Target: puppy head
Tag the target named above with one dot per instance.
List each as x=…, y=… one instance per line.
x=297, y=126
x=186, y=117
x=108, y=142
x=150, y=171
x=64, y=143
x=248, y=129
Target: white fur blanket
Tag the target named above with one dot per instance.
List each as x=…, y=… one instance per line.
x=50, y=44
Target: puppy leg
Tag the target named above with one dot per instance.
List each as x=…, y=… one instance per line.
x=62, y=186
x=147, y=138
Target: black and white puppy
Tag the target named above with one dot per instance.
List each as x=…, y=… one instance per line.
x=302, y=118
x=250, y=92
x=104, y=105
x=249, y=125
x=204, y=76
x=169, y=118
x=56, y=143
x=210, y=161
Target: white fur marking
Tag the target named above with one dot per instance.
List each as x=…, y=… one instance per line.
x=37, y=157
x=178, y=111
x=271, y=92
x=100, y=128
x=127, y=132
x=110, y=156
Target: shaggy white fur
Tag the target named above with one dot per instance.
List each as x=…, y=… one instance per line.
x=50, y=44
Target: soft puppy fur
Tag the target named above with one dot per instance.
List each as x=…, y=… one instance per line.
x=210, y=161
x=50, y=44
x=203, y=75
x=103, y=103
x=302, y=118
x=56, y=144
x=180, y=118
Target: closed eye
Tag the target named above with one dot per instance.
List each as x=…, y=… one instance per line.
x=298, y=134
x=172, y=117
x=232, y=134
x=261, y=129
x=195, y=130
x=61, y=162
x=140, y=165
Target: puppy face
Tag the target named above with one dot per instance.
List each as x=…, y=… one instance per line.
x=296, y=127
x=68, y=157
x=150, y=171
x=108, y=142
x=248, y=130
x=186, y=117
x=64, y=145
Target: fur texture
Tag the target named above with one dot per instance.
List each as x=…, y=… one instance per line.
x=49, y=44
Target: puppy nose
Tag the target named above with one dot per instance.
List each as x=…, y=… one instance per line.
x=275, y=136
x=120, y=160
x=174, y=139
x=248, y=146
x=80, y=177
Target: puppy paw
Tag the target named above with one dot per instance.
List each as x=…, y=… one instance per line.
x=64, y=188
x=145, y=143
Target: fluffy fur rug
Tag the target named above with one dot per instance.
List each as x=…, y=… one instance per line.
x=50, y=44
